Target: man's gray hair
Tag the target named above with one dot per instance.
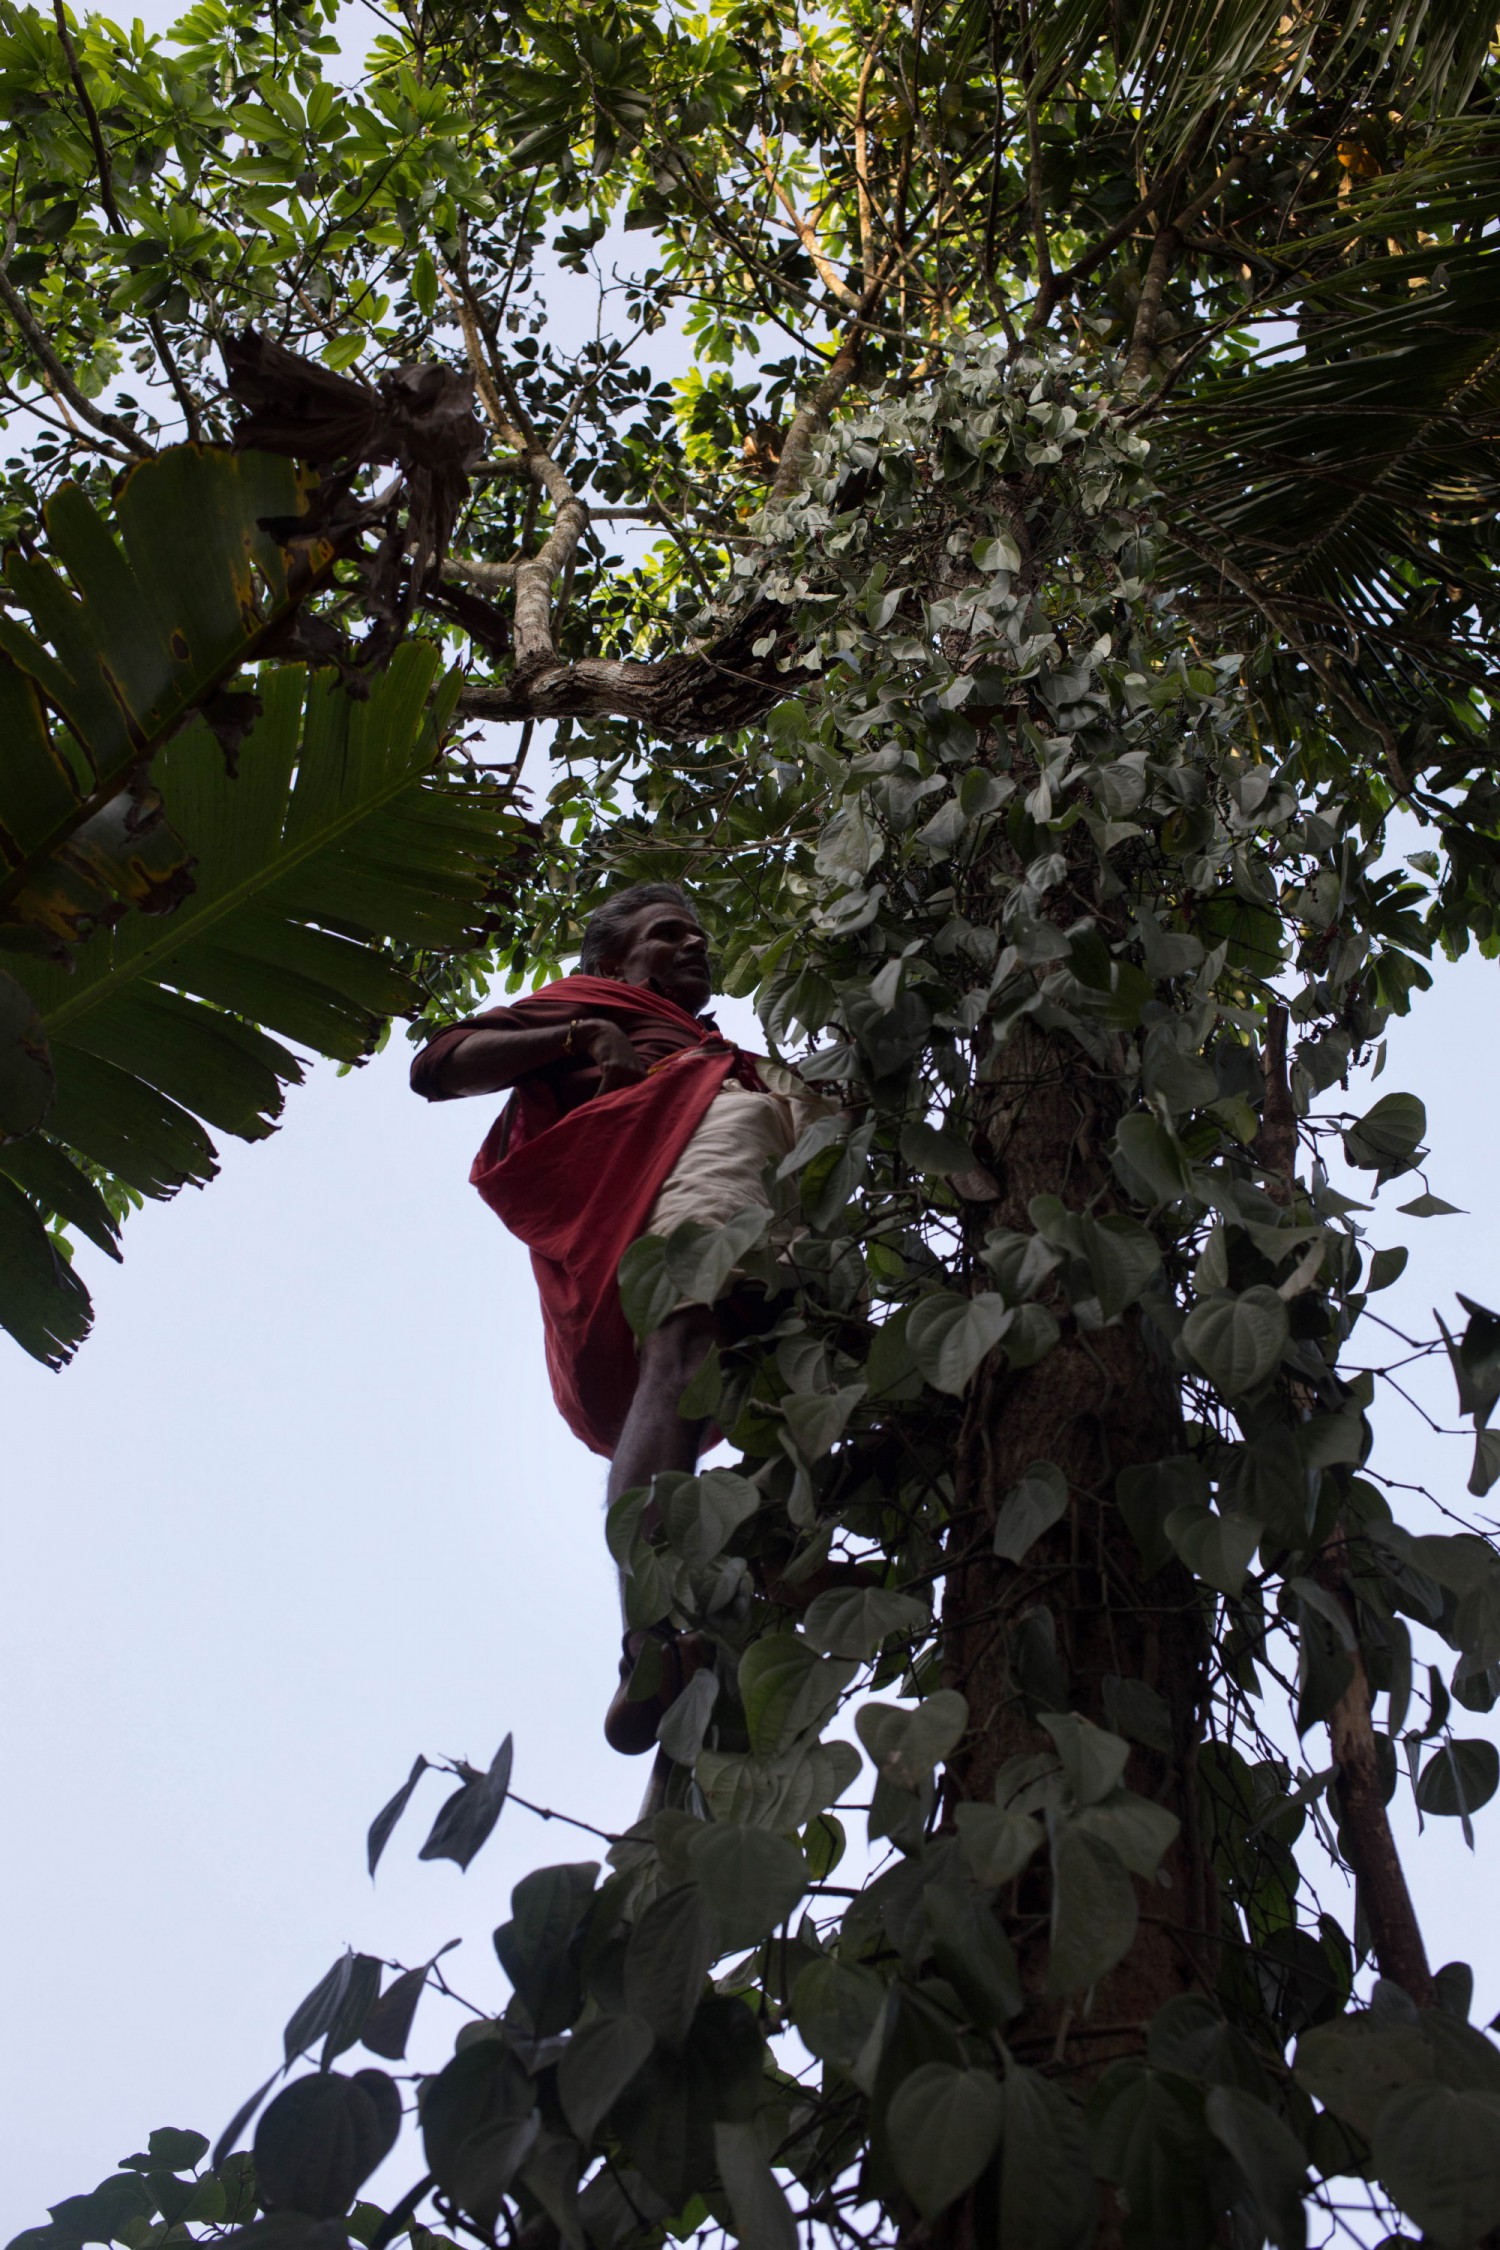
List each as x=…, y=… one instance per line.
x=605, y=932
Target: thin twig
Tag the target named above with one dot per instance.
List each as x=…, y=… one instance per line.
x=656, y=515
x=807, y=234
x=47, y=358
x=863, y=201
x=182, y=394
x=545, y=1812
x=63, y=422
x=695, y=568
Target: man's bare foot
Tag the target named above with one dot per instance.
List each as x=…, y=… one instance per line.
x=631, y=1722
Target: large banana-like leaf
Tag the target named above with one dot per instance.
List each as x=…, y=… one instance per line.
x=135, y=623
x=342, y=836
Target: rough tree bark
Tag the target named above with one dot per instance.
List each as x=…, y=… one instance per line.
x=1096, y=1405
x=1078, y=1609
x=679, y=697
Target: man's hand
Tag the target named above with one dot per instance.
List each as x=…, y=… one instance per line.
x=491, y=1059
x=606, y=1044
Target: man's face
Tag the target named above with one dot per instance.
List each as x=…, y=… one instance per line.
x=666, y=948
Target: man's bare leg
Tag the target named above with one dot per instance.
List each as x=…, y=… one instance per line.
x=655, y=1438
x=655, y=1799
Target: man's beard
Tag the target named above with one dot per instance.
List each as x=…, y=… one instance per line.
x=695, y=1006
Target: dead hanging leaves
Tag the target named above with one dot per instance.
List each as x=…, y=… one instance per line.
x=419, y=419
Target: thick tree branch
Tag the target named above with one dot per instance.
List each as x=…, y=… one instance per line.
x=812, y=416
x=1395, y=1933
x=460, y=572
x=1093, y=258
x=1164, y=254
x=534, y=577
x=679, y=698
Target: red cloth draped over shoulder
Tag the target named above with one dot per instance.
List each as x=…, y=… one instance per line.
x=577, y=1186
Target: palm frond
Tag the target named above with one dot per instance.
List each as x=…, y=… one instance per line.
x=1178, y=61
x=1358, y=483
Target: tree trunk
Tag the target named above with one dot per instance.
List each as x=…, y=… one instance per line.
x=1095, y=1405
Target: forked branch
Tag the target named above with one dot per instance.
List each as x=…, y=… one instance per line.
x=52, y=367
x=807, y=234
x=812, y=415
x=532, y=576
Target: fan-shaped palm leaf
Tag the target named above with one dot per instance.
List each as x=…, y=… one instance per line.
x=153, y=966
x=342, y=837
x=135, y=623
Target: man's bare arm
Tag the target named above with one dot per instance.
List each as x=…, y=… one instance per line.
x=492, y=1061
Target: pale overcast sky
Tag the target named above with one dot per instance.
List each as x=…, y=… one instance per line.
x=302, y=1509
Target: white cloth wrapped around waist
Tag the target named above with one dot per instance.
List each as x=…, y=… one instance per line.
x=721, y=1171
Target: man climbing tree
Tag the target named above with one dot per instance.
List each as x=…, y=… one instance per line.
x=1062, y=672
x=632, y=1117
